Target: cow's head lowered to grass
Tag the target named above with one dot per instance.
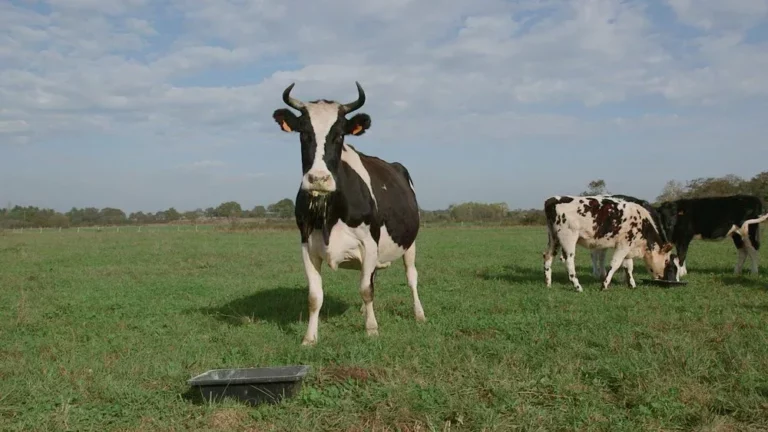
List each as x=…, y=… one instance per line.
x=322, y=126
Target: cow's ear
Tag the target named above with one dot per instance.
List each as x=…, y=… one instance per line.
x=666, y=248
x=286, y=119
x=358, y=124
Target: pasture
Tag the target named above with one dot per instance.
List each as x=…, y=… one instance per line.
x=101, y=330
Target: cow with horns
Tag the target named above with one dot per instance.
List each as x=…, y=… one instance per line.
x=353, y=211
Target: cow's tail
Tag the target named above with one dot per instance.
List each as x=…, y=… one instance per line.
x=550, y=213
x=751, y=228
x=404, y=171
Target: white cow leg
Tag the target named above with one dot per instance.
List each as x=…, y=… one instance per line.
x=568, y=243
x=312, y=271
x=629, y=266
x=548, y=256
x=616, y=261
x=740, y=260
x=409, y=260
x=753, y=258
x=367, y=276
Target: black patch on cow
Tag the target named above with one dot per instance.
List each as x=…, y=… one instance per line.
x=605, y=214
x=353, y=204
x=709, y=217
x=655, y=215
x=738, y=241
x=398, y=209
x=670, y=270
x=550, y=208
x=650, y=234
x=754, y=235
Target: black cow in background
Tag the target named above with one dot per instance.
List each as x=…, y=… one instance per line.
x=715, y=218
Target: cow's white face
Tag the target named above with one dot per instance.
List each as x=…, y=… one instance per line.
x=322, y=126
x=657, y=260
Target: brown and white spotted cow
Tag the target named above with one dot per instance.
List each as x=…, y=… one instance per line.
x=602, y=222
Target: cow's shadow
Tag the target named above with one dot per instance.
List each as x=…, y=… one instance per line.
x=513, y=273
x=282, y=306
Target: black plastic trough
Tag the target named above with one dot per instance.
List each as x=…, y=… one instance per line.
x=251, y=385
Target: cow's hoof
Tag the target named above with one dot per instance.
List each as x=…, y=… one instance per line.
x=308, y=343
x=420, y=317
x=372, y=332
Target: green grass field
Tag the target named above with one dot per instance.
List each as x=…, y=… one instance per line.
x=100, y=331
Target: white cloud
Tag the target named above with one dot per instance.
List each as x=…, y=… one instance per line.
x=717, y=14
x=198, y=75
x=203, y=164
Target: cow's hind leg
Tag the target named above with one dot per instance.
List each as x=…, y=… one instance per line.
x=568, y=243
x=619, y=254
x=367, y=276
x=312, y=267
x=549, y=254
x=629, y=266
x=409, y=261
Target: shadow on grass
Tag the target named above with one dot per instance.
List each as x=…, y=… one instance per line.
x=745, y=281
x=282, y=306
x=194, y=396
x=513, y=273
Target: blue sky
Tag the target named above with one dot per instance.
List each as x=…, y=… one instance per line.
x=144, y=105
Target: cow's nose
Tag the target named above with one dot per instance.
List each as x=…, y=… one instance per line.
x=314, y=178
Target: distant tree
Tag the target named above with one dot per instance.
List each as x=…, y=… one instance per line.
x=758, y=185
x=596, y=187
x=282, y=209
x=172, y=214
x=112, y=216
x=58, y=220
x=138, y=218
x=716, y=186
x=210, y=212
x=259, y=211
x=193, y=216
x=672, y=190
x=229, y=209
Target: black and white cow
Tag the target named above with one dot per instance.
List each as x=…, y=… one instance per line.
x=598, y=255
x=353, y=211
x=715, y=218
x=601, y=222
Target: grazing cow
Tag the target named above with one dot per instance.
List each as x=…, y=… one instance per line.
x=353, y=210
x=600, y=222
x=598, y=255
x=715, y=218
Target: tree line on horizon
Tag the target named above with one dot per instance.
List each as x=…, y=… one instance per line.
x=283, y=210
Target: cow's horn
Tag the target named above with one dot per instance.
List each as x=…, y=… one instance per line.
x=352, y=106
x=291, y=102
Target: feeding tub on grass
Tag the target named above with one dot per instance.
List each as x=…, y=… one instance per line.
x=251, y=385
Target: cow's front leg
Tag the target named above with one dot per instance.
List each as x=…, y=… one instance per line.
x=367, y=276
x=312, y=266
x=616, y=262
x=570, y=264
x=629, y=266
x=412, y=275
